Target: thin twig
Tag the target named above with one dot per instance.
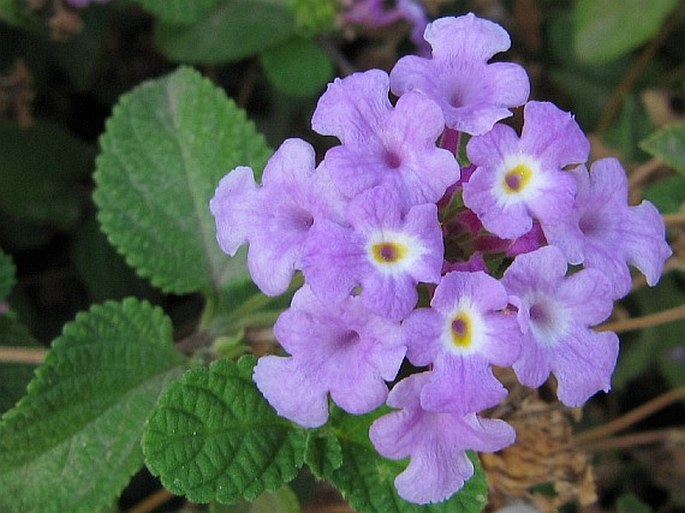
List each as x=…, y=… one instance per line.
x=633, y=416
x=643, y=171
x=637, y=439
x=646, y=321
x=345, y=66
x=26, y=355
x=153, y=501
x=675, y=218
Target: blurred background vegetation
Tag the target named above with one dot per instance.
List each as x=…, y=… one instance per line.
x=618, y=65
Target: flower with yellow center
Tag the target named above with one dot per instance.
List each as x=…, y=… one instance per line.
x=521, y=179
x=388, y=252
x=516, y=179
x=466, y=330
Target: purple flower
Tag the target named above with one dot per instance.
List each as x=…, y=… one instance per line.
x=606, y=234
x=384, y=251
x=375, y=13
x=276, y=218
x=394, y=147
x=556, y=314
x=465, y=331
x=435, y=442
x=343, y=349
x=472, y=94
x=520, y=179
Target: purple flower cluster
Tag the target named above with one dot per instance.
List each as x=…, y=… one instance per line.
x=388, y=217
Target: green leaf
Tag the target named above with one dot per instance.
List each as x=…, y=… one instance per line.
x=164, y=150
x=213, y=437
x=7, y=273
x=282, y=500
x=630, y=503
x=20, y=14
x=41, y=168
x=608, y=29
x=366, y=479
x=234, y=30
x=631, y=126
x=103, y=270
x=81, y=54
x=323, y=454
x=314, y=16
x=14, y=377
x=668, y=195
x=297, y=67
x=83, y=416
x=668, y=144
x=179, y=11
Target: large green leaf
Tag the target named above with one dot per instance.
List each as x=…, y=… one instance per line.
x=366, y=479
x=298, y=67
x=103, y=270
x=41, y=168
x=73, y=442
x=179, y=11
x=164, y=151
x=213, y=437
x=608, y=29
x=234, y=30
x=668, y=144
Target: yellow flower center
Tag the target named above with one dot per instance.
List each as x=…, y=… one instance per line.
x=461, y=330
x=517, y=178
x=388, y=252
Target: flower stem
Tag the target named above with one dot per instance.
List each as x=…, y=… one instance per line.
x=152, y=502
x=633, y=416
x=637, y=439
x=25, y=355
x=647, y=321
x=675, y=218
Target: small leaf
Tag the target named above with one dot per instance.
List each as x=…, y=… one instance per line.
x=314, y=16
x=20, y=14
x=601, y=31
x=179, y=11
x=165, y=149
x=366, y=479
x=41, y=166
x=668, y=144
x=236, y=29
x=83, y=416
x=213, y=437
x=297, y=67
x=631, y=126
x=7, y=272
x=282, y=500
x=630, y=503
x=668, y=195
x=81, y=54
x=323, y=454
